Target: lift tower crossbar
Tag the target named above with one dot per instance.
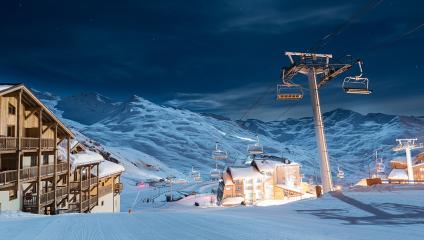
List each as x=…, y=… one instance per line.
x=320, y=70
x=408, y=145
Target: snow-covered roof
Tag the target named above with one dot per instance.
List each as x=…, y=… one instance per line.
x=227, y=179
x=107, y=168
x=84, y=158
x=398, y=174
x=245, y=172
x=5, y=86
x=266, y=165
x=398, y=159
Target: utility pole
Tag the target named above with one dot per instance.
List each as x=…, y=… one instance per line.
x=312, y=65
x=407, y=145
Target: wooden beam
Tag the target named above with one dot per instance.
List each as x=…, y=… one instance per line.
x=89, y=186
x=68, y=160
x=80, y=190
x=34, y=110
x=18, y=150
x=55, y=169
x=49, y=126
x=40, y=134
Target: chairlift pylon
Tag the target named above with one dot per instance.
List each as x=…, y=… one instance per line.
x=356, y=84
x=255, y=149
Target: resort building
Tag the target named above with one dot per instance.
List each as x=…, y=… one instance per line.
x=399, y=172
x=42, y=168
x=266, y=178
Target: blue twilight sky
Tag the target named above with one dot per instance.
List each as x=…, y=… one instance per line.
x=213, y=56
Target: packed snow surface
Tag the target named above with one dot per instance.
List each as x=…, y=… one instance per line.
x=352, y=215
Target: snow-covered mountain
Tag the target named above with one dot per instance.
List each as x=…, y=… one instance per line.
x=154, y=141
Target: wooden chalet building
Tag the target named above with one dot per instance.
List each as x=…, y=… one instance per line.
x=37, y=173
x=268, y=178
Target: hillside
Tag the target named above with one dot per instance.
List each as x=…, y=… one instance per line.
x=154, y=141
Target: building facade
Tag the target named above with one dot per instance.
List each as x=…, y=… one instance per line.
x=262, y=180
x=36, y=170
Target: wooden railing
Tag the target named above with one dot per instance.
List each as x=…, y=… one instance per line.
x=61, y=191
x=84, y=204
x=85, y=184
x=7, y=143
x=47, y=198
x=47, y=170
x=74, y=186
x=10, y=143
x=47, y=143
x=105, y=190
x=62, y=167
x=28, y=173
x=93, y=201
x=8, y=177
x=93, y=181
x=31, y=201
x=29, y=143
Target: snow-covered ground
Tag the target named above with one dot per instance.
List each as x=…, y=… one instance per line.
x=397, y=214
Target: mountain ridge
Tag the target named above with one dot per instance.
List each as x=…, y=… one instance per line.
x=173, y=140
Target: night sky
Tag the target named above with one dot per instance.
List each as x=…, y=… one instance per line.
x=213, y=56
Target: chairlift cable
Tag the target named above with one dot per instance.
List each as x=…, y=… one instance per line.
x=356, y=15
x=322, y=42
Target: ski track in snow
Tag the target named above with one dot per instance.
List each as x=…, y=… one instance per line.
x=326, y=218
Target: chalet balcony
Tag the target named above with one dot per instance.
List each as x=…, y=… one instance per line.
x=29, y=173
x=93, y=201
x=8, y=143
x=85, y=184
x=61, y=192
x=28, y=143
x=8, y=177
x=47, y=170
x=84, y=205
x=119, y=187
x=93, y=181
x=105, y=190
x=47, y=198
x=62, y=167
x=74, y=186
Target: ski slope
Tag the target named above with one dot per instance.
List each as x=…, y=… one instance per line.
x=374, y=215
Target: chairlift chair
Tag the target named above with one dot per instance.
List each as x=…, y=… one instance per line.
x=215, y=173
x=356, y=84
x=289, y=92
x=255, y=149
x=340, y=173
x=219, y=154
x=379, y=166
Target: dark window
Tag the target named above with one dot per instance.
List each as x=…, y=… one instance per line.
x=103, y=203
x=33, y=160
x=45, y=159
x=12, y=109
x=11, y=131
